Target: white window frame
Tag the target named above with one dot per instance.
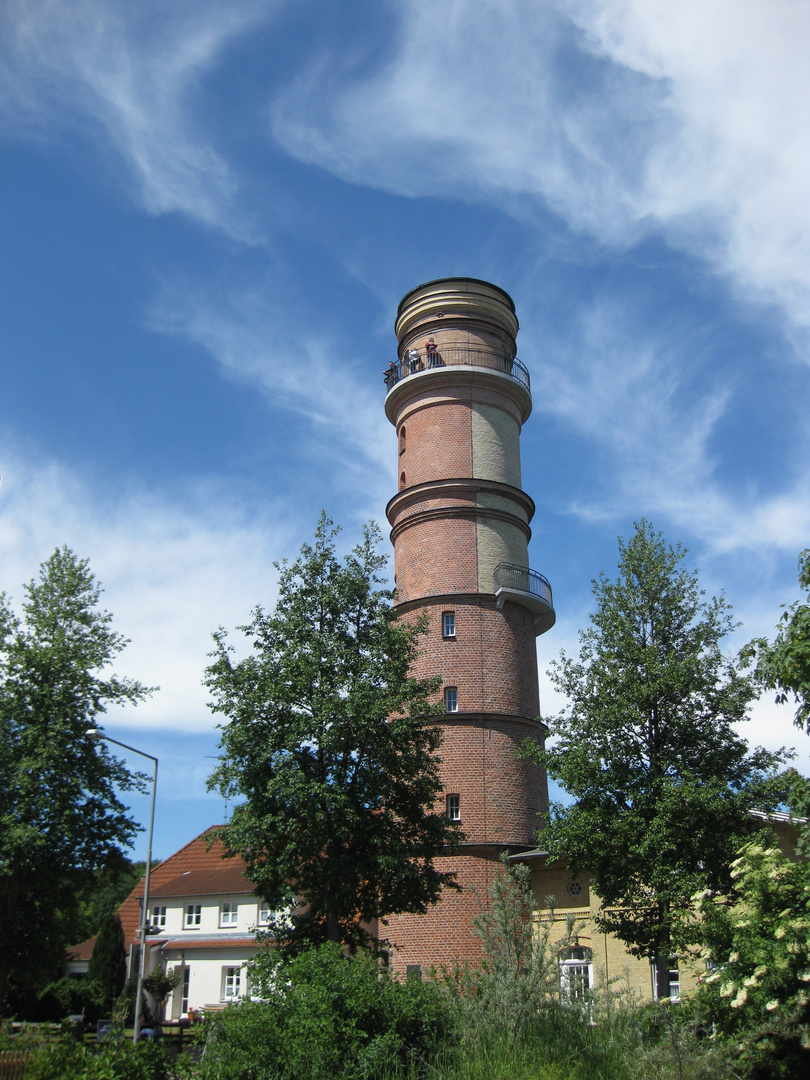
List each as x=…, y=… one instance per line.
x=192, y=916
x=265, y=914
x=576, y=975
x=454, y=807
x=186, y=985
x=448, y=624
x=159, y=917
x=231, y=983
x=451, y=699
x=228, y=913
x=674, y=979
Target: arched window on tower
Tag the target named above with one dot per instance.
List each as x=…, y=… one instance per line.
x=402, y=439
x=401, y=480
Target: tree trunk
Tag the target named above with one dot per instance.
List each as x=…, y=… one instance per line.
x=663, y=953
x=332, y=926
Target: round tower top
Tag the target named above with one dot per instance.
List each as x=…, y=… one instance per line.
x=466, y=304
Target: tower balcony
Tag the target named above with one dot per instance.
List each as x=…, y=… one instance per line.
x=526, y=587
x=416, y=361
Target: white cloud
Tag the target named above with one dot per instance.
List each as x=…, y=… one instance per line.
x=653, y=405
x=173, y=566
x=129, y=75
x=265, y=338
x=625, y=116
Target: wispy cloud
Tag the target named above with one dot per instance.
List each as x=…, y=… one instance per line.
x=266, y=338
x=174, y=566
x=624, y=116
x=128, y=76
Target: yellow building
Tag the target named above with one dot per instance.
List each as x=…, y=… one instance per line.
x=597, y=958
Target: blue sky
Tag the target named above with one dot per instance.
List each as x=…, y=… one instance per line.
x=209, y=213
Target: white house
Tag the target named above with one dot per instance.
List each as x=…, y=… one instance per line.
x=203, y=917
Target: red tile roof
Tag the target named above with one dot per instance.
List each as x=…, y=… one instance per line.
x=209, y=943
x=82, y=951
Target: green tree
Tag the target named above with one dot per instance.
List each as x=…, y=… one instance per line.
x=757, y=938
x=647, y=747
x=102, y=894
x=108, y=963
x=784, y=664
x=60, y=816
x=331, y=744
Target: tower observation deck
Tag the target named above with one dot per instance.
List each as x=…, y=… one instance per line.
x=460, y=525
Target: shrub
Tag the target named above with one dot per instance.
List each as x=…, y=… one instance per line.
x=69, y=997
x=759, y=938
x=115, y=1060
x=326, y=1017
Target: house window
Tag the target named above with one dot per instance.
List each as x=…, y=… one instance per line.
x=449, y=624
x=277, y=919
x=159, y=917
x=186, y=984
x=576, y=974
x=193, y=917
x=228, y=914
x=674, y=979
x=454, y=807
x=231, y=983
x=450, y=699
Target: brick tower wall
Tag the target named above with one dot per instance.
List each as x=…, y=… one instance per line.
x=458, y=513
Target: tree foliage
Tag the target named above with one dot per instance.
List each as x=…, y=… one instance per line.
x=784, y=664
x=60, y=816
x=102, y=894
x=647, y=747
x=108, y=963
x=326, y=1016
x=331, y=744
x=756, y=937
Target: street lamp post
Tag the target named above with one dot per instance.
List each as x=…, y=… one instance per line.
x=94, y=733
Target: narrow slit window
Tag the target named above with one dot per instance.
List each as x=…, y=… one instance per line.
x=450, y=699
x=402, y=440
x=401, y=480
x=449, y=624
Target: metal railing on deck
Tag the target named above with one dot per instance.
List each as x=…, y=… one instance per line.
x=522, y=579
x=425, y=359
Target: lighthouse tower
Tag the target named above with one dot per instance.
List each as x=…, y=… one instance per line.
x=458, y=398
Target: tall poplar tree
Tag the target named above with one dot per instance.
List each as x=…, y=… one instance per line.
x=60, y=815
x=648, y=748
x=331, y=745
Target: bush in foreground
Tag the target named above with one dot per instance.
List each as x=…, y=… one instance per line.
x=67, y=1059
x=326, y=1017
